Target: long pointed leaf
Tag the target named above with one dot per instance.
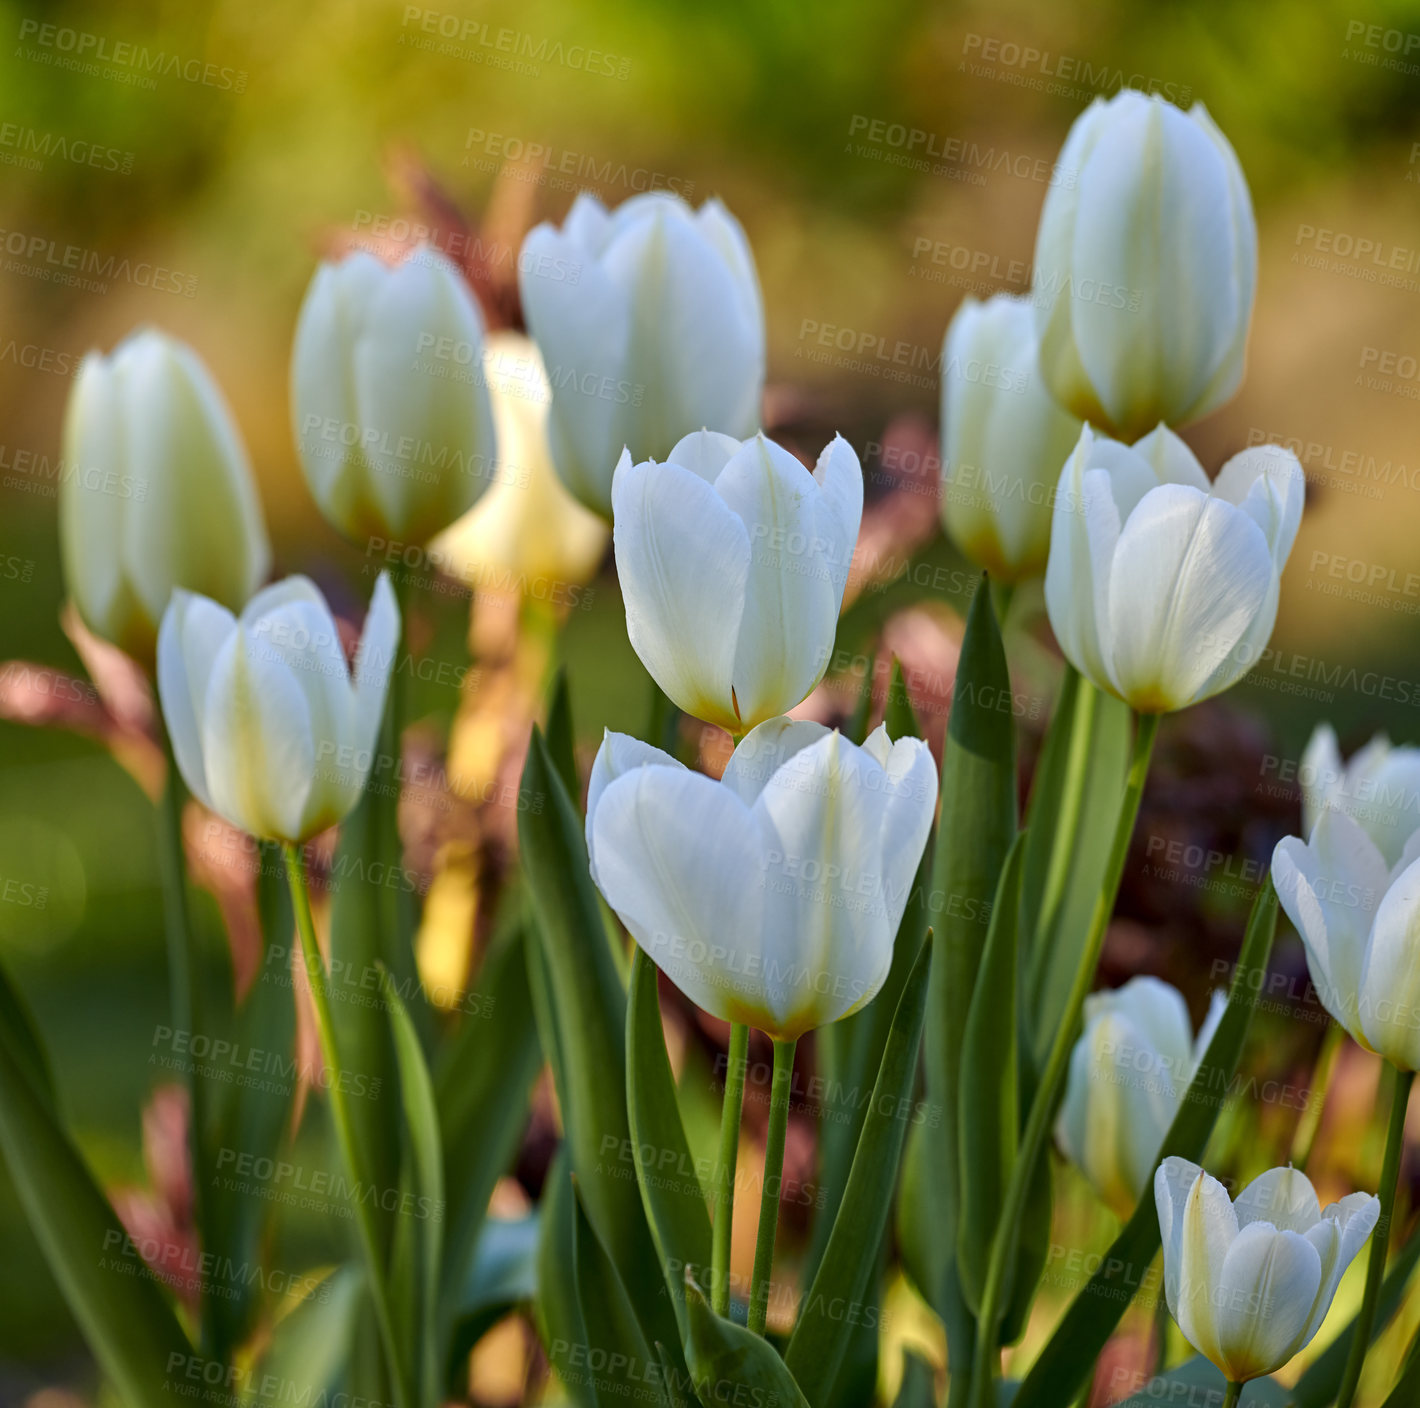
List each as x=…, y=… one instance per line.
x=726, y=1359
x=559, y=1311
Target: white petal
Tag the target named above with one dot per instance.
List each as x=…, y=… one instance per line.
x=193, y=632
x=705, y=452
x=374, y=663
x=1321, y=775
x=619, y=753
x=683, y=558
x=1267, y=483
x=1265, y=1293
x=764, y=750
x=1206, y=1230
x=1283, y=1197
x=1390, y=974
x=1338, y=1236
x=1172, y=460
x=840, y=476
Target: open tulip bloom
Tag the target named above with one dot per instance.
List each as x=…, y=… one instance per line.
x=1161, y=587
x=651, y=323
x=1250, y=1282
x=772, y=897
x=269, y=727
x=733, y=558
x=1379, y=787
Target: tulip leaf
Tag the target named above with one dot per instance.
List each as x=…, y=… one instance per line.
x=310, y=1348
x=1322, y=1380
x=988, y=1108
x=1069, y=1356
x=20, y=1036
x=1197, y=1381
x=919, y=1386
x=484, y=1083
x=975, y=831
x=851, y=1258
x=1406, y=1392
x=726, y=1359
x=558, y=1309
x=665, y=1170
x=585, y=1017
x=561, y=736
x=125, y=1317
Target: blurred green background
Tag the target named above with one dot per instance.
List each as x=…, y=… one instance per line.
x=264, y=130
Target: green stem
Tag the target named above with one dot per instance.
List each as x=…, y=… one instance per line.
x=1230, y=1399
x=1003, y=1248
x=769, y=1192
x=340, y=1113
x=1380, y=1238
x=725, y=1169
x=182, y=986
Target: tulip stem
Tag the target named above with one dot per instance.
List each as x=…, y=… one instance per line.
x=1380, y=1238
x=340, y=1114
x=725, y=1169
x=1230, y=1399
x=1042, y=1110
x=769, y=1190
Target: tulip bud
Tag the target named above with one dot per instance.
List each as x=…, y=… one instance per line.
x=1359, y=921
x=1162, y=589
x=527, y=530
x=1128, y=1075
x=733, y=559
x=772, y=897
x=1003, y=438
x=1250, y=1282
x=650, y=321
x=391, y=413
x=1379, y=788
x=1145, y=266
x=268, y=726
x=157, y=492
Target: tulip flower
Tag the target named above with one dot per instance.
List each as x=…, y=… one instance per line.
x=391, y=413
x=1250, y=1282
x=733, y=558
x=269, y=728
x=1359, y=920
x=1128, y=1074
x=1379, y=788
x=1162, y=589
x=157, y=492
x=1003, y=439
x=772, y=897
x=527, y=529
x=650, y=321
x=1145, y=266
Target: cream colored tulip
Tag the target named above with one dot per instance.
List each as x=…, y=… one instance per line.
x=1379, y=787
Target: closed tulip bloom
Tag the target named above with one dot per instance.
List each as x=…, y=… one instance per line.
x=1128, y=1074
x=1379, y=787
x=1359, y=920
x=1003, y=438
x=391, y=413
x=733, y=558
x=772, y=897
x=1145, y=266
x=527, y=533
x=157, y=492
x=269, y=727
x=1250, y=1282
x=1161, y=588
x=650, y=321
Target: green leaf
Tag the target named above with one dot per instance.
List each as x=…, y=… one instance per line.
x=501, y=1275
x=559, y=1311
x=585, y=1017
x=919, y=1386
x=670, y=1185
x=1322, y=1380
x=561, y=736
x=851, y=1258
x=20, y=1036
x=856, y=728
x=1070, y=1354
x=484, y=1084
x=988, y=1109
x=726, y=1358
x=125, y=1318
x=310, y=1349
x=426, y=1176
x=1197, y=1381
x=1406, y=1393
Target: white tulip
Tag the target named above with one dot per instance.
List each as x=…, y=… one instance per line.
x=1003, y=438
x=1129, y=1072
x=772, y=897
x=733, y=559
x=1145, y=266
x=391, y=412
x=1360, y=924
x=1162, y=589
x=157, y=491
x=527, y=534
x=1379, y=787
x=650, y=321
x=269, y=729
x=1250, y=1282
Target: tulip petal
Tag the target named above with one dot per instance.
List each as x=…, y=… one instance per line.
x=764, y=750
x=1283, y=1197
x=1267, y=483
x=704, y=452
x=910, y=785
x=1322, y=773
x=680, y=859
x=1171, y=459
x=1191, y=576
x=192, y=635
x=683, y=558
x=1390, y=975
x=1265, y=1292
x=1206, y=1230
x=618, y=755
x=374, y=663
x=1338, y=1237
x=1173, y=1181
x=840, y=476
